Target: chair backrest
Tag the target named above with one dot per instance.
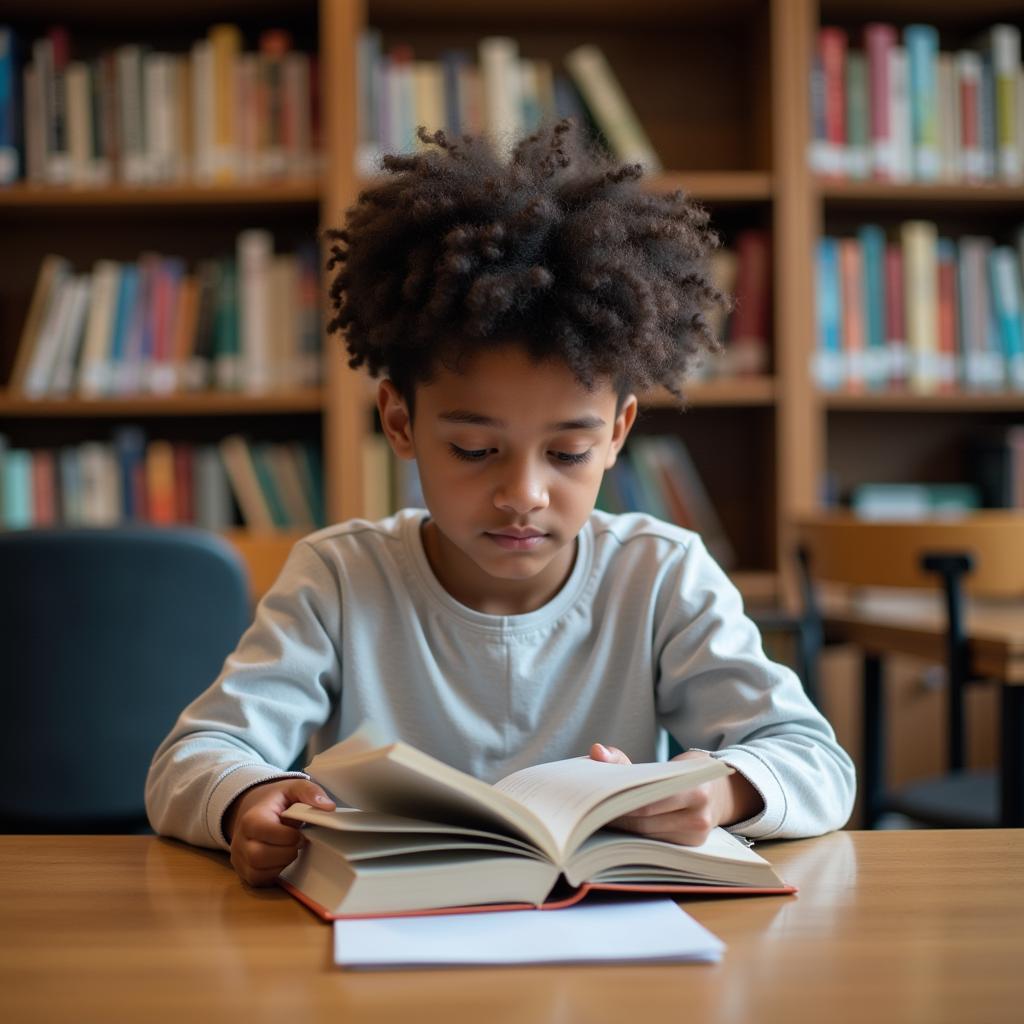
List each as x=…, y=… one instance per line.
x=105, y=635
x=857, y=552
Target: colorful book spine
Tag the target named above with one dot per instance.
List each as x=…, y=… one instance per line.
x=851, y=277
x=920, y=263
x=879, y=39
x=895, y=319
x=832, y=45
x=829, y=353
x=876, y=354
x=1005, y=282
x=948, y=345
x=11, y=141
x=922, y=44
x=1006, y=63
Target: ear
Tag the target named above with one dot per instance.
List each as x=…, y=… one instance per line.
x=620, y=431
x=395, y=419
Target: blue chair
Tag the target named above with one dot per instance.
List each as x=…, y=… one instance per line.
x=105, y=635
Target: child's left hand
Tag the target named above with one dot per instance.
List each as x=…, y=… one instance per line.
x=687, y=818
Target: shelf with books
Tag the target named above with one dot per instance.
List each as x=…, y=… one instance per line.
x=897, y=401
x=726, y=391
x=889, y=194
x=209, y=403
x=27, y=197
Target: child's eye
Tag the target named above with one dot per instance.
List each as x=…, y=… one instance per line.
x=572, y=458
x=466, y=455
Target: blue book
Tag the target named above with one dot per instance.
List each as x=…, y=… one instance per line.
x=452, y=63
x=1004, y=278
x=876, y=363
x=922, y=43
x=829, y=356
x=127, y=296
x=130, y=448
x=11, y=142
x=17, y=508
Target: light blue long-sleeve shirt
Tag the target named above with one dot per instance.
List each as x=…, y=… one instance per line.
x=647, y=634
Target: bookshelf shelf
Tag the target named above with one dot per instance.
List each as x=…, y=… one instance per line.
x=997, y=401
x=734, y=391
x=277, y=193
x=211, y=403
x=717, y=186
x=877, y=193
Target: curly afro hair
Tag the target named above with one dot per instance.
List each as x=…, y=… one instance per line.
x=558, y=249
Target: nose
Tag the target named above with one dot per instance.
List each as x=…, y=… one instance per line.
x=522, y=488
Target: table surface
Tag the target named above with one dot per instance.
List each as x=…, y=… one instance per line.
x=915, y=624
x=900, y=926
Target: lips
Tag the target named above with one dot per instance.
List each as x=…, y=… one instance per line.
x=517, y=539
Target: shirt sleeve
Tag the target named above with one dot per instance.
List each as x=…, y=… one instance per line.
x=276, y=688
x=718, y=691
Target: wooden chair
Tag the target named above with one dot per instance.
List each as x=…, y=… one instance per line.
x=981, y=556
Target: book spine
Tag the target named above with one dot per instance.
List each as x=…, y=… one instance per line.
x=922, y=44
x=368, y=57
x=225, y=49
x=920, y=240
x=950, y=363
x=1006, y=62
x=1005, y=283
x=829, y=363
x=851, y=273
x=79, y=117
x=832, y=44
x=972, y=158
x=879, y=39
x=747, y=351
x=876, y=364
x=858, y=152
x=902, y=129
x=11, y=141
x=255, y=256
x=499, y=66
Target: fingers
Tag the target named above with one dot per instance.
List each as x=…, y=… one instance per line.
x=611, y=755
x=258, y=863
x=303, y=791
x=686, y=828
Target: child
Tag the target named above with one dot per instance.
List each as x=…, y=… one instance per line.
x=515, y=309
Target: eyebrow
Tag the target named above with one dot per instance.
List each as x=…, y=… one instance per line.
x=479, y=420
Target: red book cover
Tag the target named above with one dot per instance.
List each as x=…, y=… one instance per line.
x=895, y=316
x=832, y=52
x=947, y=320
x=44, y=487
x=851, y=281
x=748, y=334
x=183, y=484
x=879, y=39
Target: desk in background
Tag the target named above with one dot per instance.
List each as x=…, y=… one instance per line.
x=888, y=926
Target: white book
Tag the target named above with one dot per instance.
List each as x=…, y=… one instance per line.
x=255, y=256
x=499, y=69
x=94, y=367
x=632, y=931
x=899, y=114
x=71, y=337
x=611, y=108
x=36, y=382
x=79, y=86
x=202, y=110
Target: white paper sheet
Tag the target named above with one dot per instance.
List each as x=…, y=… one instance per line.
x=602, y=931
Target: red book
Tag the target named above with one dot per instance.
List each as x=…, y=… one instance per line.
x=183, y=485
x=947, y=320
x=851, y=281
x=895, y=316
x=832, y=53
x=44, y=488
x=879, y=39
x=747, y=353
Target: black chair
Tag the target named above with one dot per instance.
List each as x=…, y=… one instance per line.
x=105, y=635
x=981, y=554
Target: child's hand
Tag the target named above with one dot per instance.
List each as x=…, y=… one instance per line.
x=687, y=818
x=262, y=843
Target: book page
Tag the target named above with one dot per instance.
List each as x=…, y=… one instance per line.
x=577, y=796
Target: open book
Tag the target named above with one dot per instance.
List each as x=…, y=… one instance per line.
x=421, y=836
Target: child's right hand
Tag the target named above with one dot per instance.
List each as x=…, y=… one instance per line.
x=262, y=842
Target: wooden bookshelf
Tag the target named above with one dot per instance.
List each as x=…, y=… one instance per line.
x=286, y=192
x=212, y=403
x=996, y=401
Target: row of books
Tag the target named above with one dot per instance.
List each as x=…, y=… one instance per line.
x=132, y=479
x=155, y=327
x=140, y=116
x=899, y=109
x=500, y=93
x=656, y=474
x=918, y=311
x=743, y=273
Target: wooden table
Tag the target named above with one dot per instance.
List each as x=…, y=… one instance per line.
x=888, y=926
x=915, y=626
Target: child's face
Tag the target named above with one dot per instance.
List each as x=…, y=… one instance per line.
x=510, y=454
